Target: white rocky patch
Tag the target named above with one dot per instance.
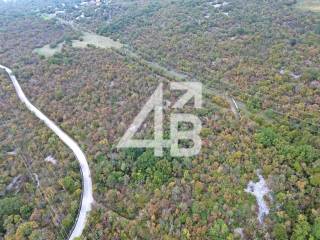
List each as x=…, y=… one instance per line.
x=14, y=183
x=12, y=153
x=218, y=5
x=260, y=190
x=51, y=159
x=295, y=76
x=282, y=71
x=239, y=231
x=292, y=74
x=36, y=177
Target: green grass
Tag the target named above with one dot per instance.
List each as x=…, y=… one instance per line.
x=48, y=51
x=95, y=40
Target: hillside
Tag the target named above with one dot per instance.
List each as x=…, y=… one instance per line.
x=90, y=67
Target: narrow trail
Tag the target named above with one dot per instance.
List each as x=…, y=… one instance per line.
x=87, y=195
x=234, y=107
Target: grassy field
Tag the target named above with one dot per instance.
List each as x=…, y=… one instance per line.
x=48, y=51
x=309, y=5
x=87, y=40
x=95, y=40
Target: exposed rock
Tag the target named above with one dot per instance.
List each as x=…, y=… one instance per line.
x=239, y=232
x=315, y=84
x=260, y=190
x=50, y=159
x=14, y=183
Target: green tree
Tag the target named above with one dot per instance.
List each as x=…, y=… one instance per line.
x=69, y=184
x=25, y=229
x=316, y=229
x=267, y=137
x=219, y=230
x=26, y=211
x=280, y=232
x=301, y=229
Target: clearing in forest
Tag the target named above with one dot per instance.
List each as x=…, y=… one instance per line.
x=48, y=50
x=95, y=40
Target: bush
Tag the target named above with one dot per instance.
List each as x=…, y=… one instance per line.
x=316, y=228
x=254, y=104
x=220, y=101
x=25, y=230
x=26, y=211
x=280, y=232
x=267, y=137
x=219, y=230
x=69, y=184
x=301, y=229
x=315, y=179
x=9, y=206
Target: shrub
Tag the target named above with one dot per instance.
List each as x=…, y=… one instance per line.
x=316, y=228
x=280, y=232
x=301, y=229
x=267, y=137
x=315, y=179
x=220, y=101
x=219, y=230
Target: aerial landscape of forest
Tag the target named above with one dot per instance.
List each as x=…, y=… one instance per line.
x=74, y=74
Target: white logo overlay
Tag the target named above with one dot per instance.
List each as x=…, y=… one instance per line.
x=155, y=103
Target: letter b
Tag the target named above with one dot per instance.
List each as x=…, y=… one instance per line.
x=192, y=134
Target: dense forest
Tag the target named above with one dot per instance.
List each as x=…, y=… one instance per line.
x=263, y=54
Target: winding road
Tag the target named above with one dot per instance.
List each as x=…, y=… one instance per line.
x=87, y=196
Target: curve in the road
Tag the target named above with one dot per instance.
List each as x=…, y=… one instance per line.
x=87, y=195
